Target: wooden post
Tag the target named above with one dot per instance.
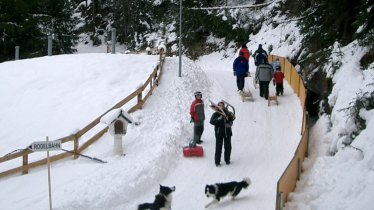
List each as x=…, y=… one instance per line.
x=25, y=163
x=298, y=168
x=76, y=148
x=161, y=54
x=150, y=85
x=155, y=77
x=140, y=100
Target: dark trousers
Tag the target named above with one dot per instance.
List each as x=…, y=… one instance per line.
x=279, y=89
x=240, y=81
x=264, y=89
x=197, y=132
x=220, y=140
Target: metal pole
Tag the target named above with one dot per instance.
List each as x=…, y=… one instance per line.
x=180, y=38
x=113, y=41
x=17, y=53
x=49, y=45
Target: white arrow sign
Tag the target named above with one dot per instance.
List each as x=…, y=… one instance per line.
x=44, y=145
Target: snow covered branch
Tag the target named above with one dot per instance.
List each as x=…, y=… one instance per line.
x=233, y=7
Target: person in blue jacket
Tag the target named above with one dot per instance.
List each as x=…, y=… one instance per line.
x=240, y=68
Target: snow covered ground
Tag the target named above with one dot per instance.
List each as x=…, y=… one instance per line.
x=344, y=180
x=53, y=96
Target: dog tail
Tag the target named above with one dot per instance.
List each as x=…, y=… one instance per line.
x=246, y=182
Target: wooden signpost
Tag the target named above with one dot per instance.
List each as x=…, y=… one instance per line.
x=47, y=145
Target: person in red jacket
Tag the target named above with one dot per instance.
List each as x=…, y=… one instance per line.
x=246, y=52
x=278, y=80
x=197, y=117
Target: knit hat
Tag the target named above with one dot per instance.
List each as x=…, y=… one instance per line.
x=220, y=102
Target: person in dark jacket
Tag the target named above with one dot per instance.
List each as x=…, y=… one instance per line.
x=222, y=129
x=264, y=74
x=246, y=52
x=197, y=117
x=240, y=68
x=260, y=55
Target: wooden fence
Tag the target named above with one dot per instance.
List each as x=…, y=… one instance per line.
x=152, y=81
x=287, y=182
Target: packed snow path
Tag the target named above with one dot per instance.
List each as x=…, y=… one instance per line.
x=263, y=142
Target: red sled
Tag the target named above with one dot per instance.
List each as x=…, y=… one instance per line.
x=196, y=151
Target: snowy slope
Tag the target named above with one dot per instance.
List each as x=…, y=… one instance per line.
x=261, y=148
x=55, y=96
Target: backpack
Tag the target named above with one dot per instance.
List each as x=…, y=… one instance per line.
x=259, y=59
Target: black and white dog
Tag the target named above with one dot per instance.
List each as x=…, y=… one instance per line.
x=162, y=200
x=220, y=190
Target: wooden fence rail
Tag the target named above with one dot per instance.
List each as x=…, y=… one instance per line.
x=152, y=81
x=287, y=182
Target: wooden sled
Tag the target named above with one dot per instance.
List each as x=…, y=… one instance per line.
x=218, y=109
x=254, y=82
x=246, y=95
x=272, y=98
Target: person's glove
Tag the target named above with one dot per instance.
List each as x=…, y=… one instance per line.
x=274, y=82
x=191, y=121
x=234, y=73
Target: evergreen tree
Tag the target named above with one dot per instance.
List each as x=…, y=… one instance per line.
x=18, y=27
x=27, y=23
x=365, y=23
x=135, y=20
x=56, y=19
x=97, y=16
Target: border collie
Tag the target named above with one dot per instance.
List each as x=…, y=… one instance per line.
x=220, y=190
x=162, y=200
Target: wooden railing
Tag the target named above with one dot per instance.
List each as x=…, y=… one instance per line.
x=152, y=81
x=287, y=182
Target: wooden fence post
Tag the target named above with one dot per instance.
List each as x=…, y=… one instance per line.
x=151, y=85
x=298, y=168
x=155, y=77
x=140, y=100
x=25, y=162
x=76, y=148
x=161, y=54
